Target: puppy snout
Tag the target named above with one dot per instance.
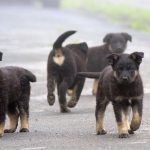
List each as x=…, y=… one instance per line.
x=125, y=78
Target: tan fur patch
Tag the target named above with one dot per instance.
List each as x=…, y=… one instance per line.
x=95, y=85
x=119, y=98
x=110, y=49
x=13, y=121
x=123, y=126
x=136, y=73
x=2, y=128
x=59, y=57
x=115, y=74
x=74, y=93
x=136, y=120
x=69, y=92
x=100, y=122
x=24, y=121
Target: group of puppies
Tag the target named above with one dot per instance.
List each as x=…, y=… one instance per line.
x=116, y=77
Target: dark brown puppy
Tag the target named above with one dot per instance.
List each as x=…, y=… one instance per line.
x=63, y=64
x=114, y=43
x=121, y=84
x=14, y=98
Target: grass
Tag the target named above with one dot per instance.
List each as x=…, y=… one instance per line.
x=131, y=16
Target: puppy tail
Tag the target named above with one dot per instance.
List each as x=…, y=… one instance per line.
x=62, y=38
x=30, y=76
x=94, y=75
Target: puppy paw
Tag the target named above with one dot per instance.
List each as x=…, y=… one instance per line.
x=124, y=135
x=1, y=135
x=94, y=93
x=24, y=130
x=9, y=130
x=101, y=132
x=65, y=110
x=69, y=92
x=71, y=104
x=51, y=99
x=130, y=132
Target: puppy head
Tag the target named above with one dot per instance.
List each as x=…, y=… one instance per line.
x=125, y=66
x=1, y=56
x=117, y=42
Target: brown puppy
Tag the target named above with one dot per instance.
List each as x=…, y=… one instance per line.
x=62, y=66
x=14, y=98
x=121, y=84
x=96, y=62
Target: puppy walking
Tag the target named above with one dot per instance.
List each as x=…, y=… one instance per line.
x=114, y=43
x=14, y=98
x=63, y=64
x=121, y=84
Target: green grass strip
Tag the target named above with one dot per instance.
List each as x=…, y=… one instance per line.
x=131, y=16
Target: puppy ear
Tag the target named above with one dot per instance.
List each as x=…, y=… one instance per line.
x=84, y=46
x=112, y=58
x=127, y=36
x=1, y=56
x=137, y=56
x=107, y=37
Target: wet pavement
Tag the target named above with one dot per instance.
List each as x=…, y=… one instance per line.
x=26, y=37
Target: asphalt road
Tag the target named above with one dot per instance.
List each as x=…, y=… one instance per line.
x=26, y=37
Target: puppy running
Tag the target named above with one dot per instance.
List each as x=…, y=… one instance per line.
x=114, y=43
x=14, y=98
x=121, y=84
x=62, y=67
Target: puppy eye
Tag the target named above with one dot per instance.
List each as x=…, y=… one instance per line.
x=129, y=67
x=120, y=68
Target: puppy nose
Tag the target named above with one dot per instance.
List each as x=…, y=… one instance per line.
x=119, y=48
x=124, y=78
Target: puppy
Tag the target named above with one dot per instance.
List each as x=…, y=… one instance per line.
x=14, y=98
x=114, y=43
x=62, y=66
x=121, y=84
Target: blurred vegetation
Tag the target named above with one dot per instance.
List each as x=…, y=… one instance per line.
x=131, y=16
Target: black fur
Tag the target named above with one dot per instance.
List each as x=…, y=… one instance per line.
x=114, y=43
x=14, y=97
x=62, y=66
x=121, y=84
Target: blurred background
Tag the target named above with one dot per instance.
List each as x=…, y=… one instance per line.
x=133, y=14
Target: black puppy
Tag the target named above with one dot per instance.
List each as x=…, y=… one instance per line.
x=14, y=98
x=62, y=66
x=96, y=62
x=121, y=84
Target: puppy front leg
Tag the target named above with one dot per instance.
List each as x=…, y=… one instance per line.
x=51, y=90
x=137, y=106
x=120, y=109
x=101, y=104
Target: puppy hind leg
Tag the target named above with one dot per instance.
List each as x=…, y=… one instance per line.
x=137, y=106
x=2, y=123
x=76, y=94
x=13, y=114
x=95, y=85
x=24, y=115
